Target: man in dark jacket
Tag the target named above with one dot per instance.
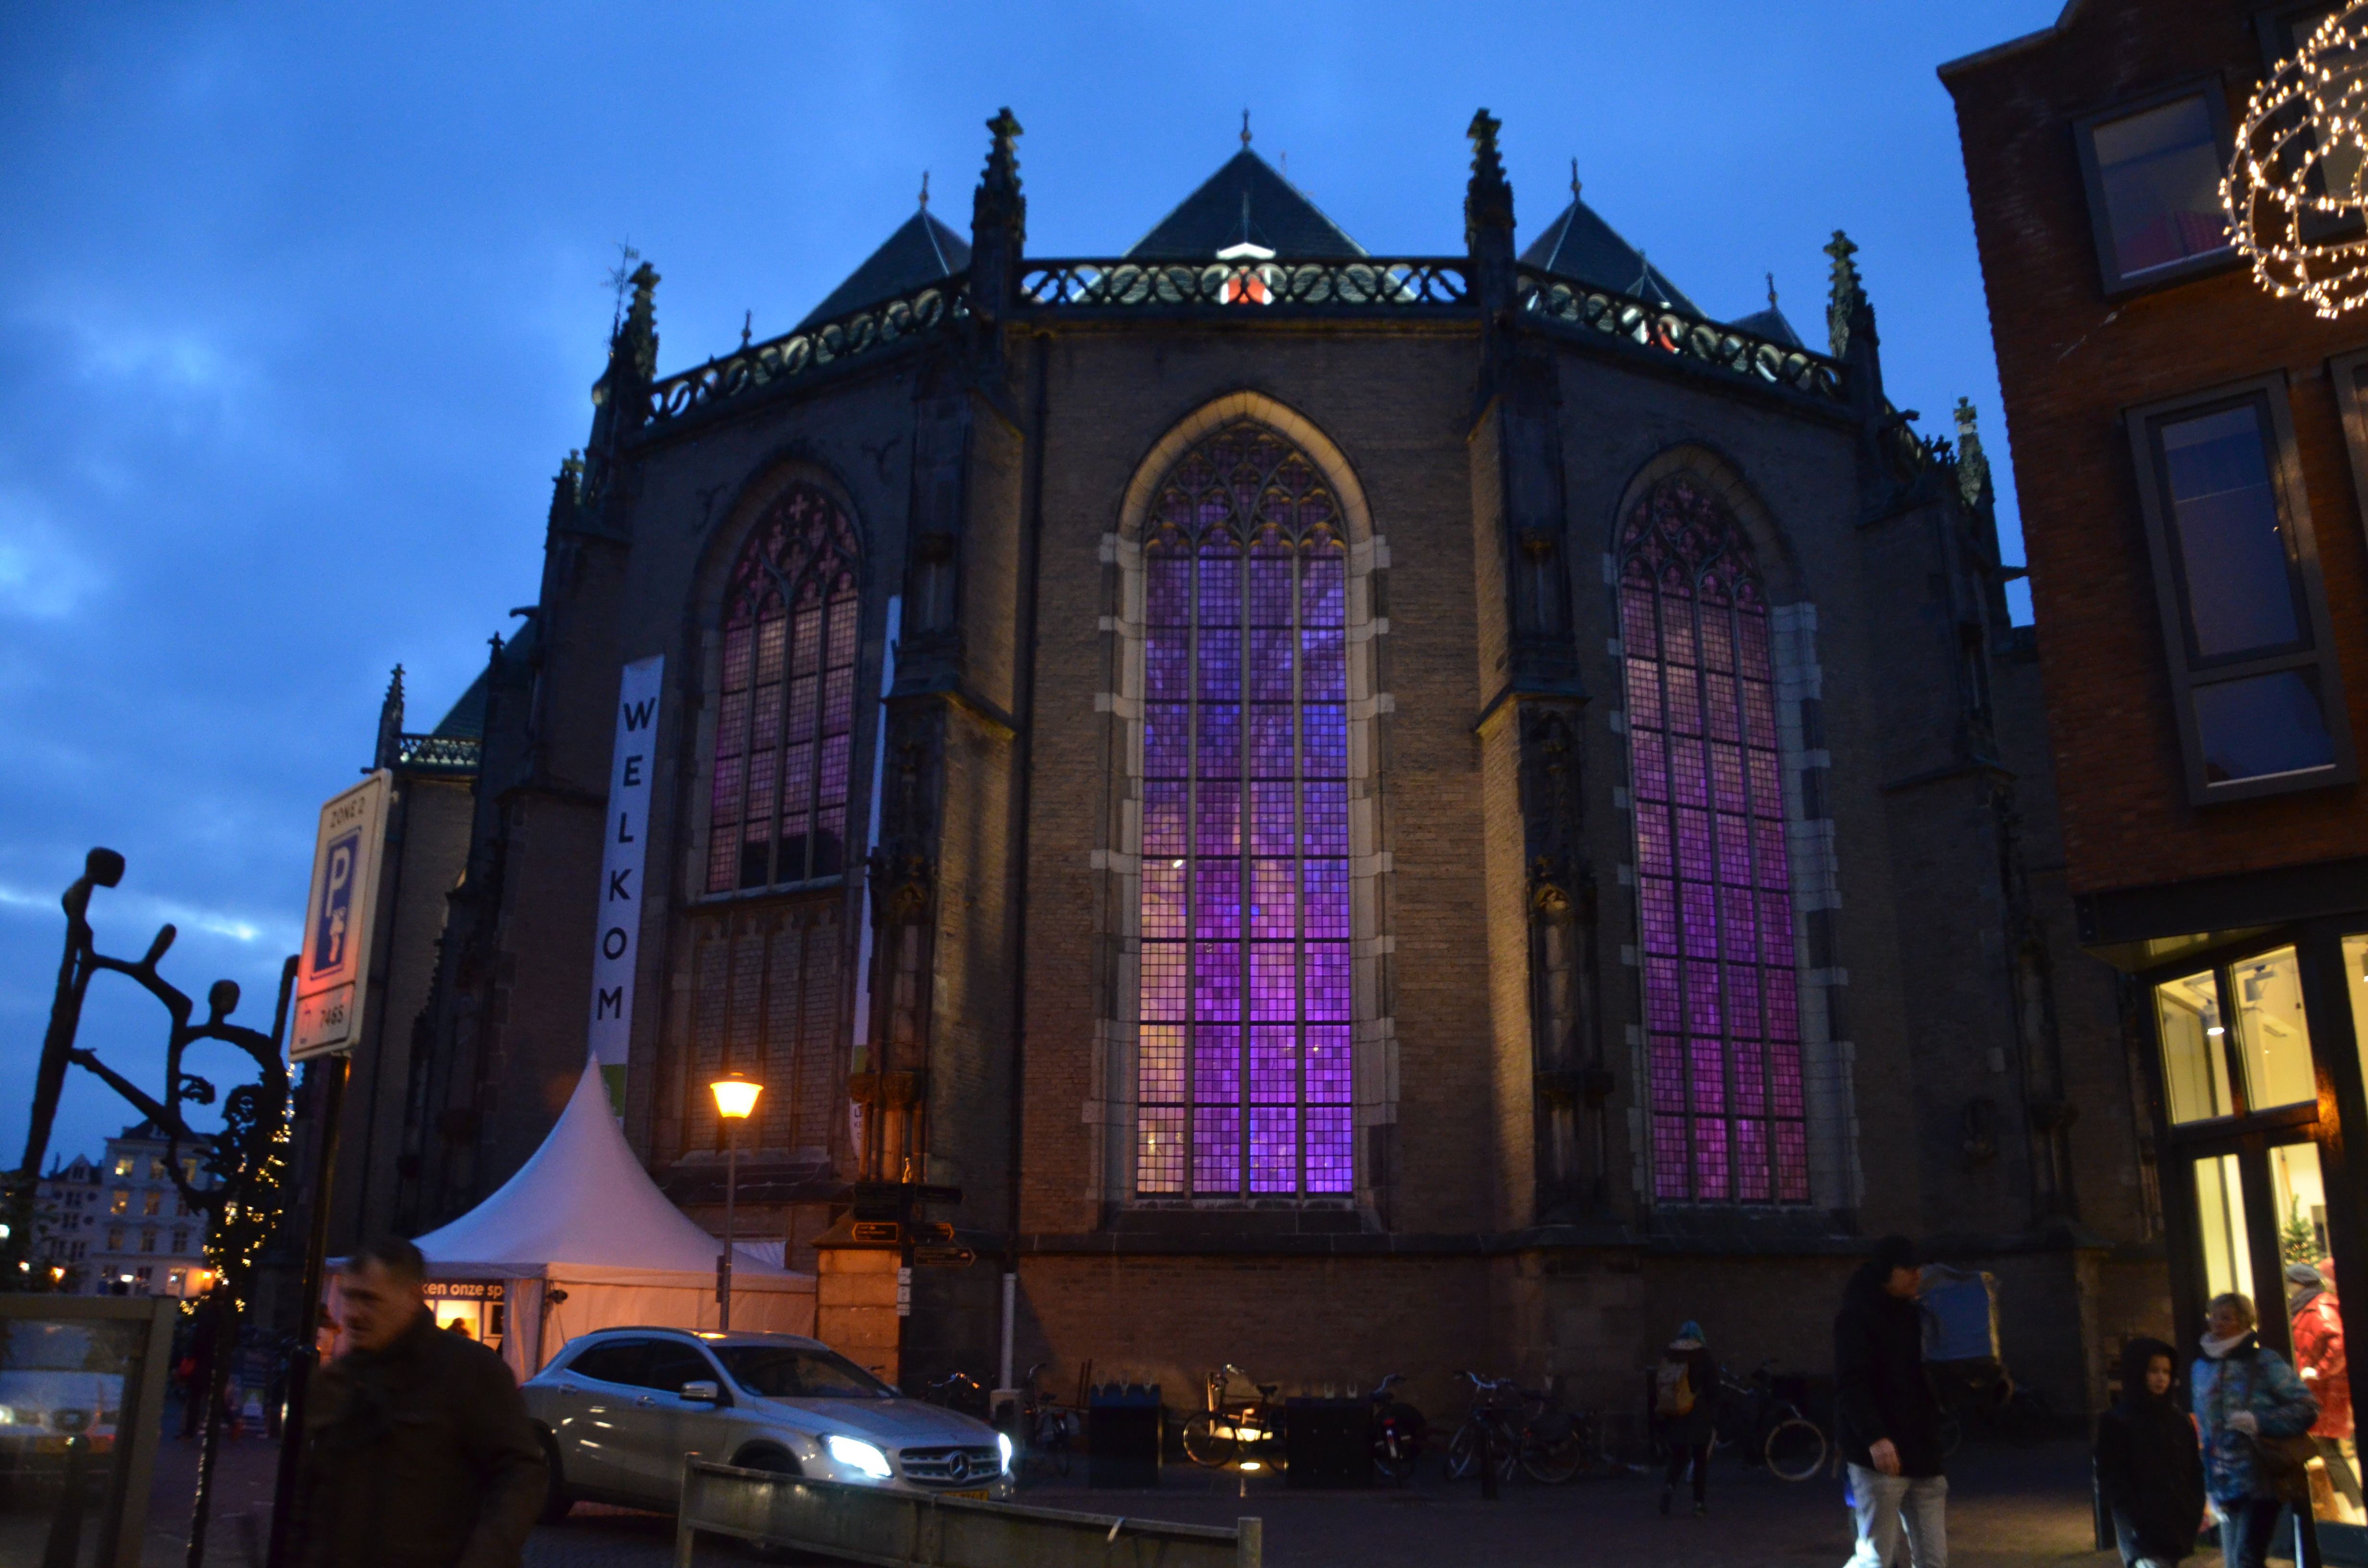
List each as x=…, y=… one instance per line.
x=1888, y=1421
x=417, y=1450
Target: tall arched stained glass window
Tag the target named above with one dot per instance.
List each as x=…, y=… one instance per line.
x=787, y=703
x=1722, y=1017
x=1245, y=1015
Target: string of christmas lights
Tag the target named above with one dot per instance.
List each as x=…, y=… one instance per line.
x=2293, y=190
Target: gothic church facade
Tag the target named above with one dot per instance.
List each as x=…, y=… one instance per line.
x=1368, y=813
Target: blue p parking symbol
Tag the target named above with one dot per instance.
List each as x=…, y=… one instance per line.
x=334, y=918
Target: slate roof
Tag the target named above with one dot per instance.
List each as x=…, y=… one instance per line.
x=465, y=720
x=920, y=252
x=1771, y=325
x=1245, y=199
x=1582, y=246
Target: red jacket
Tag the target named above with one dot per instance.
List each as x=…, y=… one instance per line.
x=2318, y=1354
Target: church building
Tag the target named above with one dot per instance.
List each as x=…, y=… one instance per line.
x=1329, y=811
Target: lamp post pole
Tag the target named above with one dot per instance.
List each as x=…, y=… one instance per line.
x=731, y=1196
x=736, y=1097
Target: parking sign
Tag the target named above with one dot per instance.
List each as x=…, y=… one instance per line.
x=332, y=978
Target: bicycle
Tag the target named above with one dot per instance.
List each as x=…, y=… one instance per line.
x=1249, y=1430
x=1045, y=1429
x=1487, y=1428
x=1769, y=1426
x=1398, y=1429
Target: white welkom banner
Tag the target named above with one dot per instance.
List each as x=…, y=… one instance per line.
x=626, y=838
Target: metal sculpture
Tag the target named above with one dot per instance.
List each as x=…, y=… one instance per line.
x=238, y=1159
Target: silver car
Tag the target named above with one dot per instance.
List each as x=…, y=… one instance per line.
x=618, y=1409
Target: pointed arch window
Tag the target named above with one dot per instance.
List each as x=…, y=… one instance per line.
x=1722, y=1014
x=787, y=700
x=1243, y=1086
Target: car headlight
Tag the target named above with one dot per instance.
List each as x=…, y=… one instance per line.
x=859, y=1456
x=1003, y=1442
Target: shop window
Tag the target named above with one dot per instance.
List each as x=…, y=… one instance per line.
x=2258, y=697
x=2153, y=172
x=1245, y=1003
x=1713, y=883
x=786, y=699
x=2272, y=1031
x=2220, y=1225
x=2194, y=1060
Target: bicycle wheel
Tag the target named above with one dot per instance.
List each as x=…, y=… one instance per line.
x=1204, y=1445
x=1398, y=1443
x=1796, y=1449
x=1463, y=1449
x=1553, y=1461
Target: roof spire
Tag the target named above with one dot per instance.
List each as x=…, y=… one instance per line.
x=1846, y=297
x=1771, y=291
x=747, y=320
x=1246, y=128
x=1574, y=180
x=390, y=722
x=925, y=189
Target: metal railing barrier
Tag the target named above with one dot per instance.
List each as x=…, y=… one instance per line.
x=910, y=1529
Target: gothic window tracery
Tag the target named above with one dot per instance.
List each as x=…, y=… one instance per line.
x=786, y=703
x=1722, y=1016
x=1244, y=1078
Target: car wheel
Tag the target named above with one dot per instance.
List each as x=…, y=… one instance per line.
x=555, y=1500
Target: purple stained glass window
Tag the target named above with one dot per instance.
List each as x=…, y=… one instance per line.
x=1244, y=1077
x=786, y=713
x=1714, y=892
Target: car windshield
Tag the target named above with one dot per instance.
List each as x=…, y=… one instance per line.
x=793, y=1372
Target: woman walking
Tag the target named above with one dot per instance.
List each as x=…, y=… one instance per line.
x=1685, y=1401
x=2244, y=1393
x=2148, y=1471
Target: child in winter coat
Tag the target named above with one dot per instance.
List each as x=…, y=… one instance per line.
x=2148, y=1467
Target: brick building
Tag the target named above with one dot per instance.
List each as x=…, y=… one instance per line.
x=1367, y=813
x=2191, y=456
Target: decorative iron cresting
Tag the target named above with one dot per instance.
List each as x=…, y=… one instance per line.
x=438, y=754
x=1393, y=282
x=809, y=349
x=1657, y=326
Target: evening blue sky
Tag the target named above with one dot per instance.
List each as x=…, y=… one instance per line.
x=301, y=303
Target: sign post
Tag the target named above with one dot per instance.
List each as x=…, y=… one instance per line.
x=332, y=995
x=625, y=849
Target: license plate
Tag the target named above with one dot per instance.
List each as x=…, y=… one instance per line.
x=982, y=1496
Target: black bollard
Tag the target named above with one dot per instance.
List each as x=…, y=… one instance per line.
x=64, y=1550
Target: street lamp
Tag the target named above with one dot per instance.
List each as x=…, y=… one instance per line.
x=735, y=1097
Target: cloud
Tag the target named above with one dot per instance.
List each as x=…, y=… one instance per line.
x=41, y=576
x=148, y=911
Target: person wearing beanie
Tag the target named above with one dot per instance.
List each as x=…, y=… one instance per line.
x=1887, y=1419
x=2149, y=1471
x=1685, y=1400
x=2318, y=1358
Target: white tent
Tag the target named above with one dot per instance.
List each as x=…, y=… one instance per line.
x=581, y=1238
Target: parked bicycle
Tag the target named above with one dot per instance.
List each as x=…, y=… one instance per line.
x=1231, y=1430
x=1521, y=1430
x=1047, y=1431
x=1398, y=1429
x=1769, y=1426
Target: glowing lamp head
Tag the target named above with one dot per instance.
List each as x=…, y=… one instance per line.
x=735, y=1097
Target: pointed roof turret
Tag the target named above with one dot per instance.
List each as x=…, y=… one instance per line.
x=1771, y=324
x=920, y=253
x=1244, y=203
x=1580, y=246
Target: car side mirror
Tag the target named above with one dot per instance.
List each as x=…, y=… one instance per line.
x=702, y=1391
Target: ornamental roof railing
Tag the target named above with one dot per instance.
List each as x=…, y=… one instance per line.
x=809, y=349
x=1386, y=282
x=438, y=754
x=1653, y=326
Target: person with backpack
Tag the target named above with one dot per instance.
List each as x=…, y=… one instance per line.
x=1887, y=1420
x=2149, y=1471
x=1685, y=1394
x=2249, y=1404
